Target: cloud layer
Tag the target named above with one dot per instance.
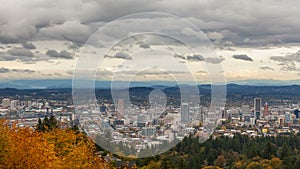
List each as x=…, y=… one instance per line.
x=43, y=32
x=62, y=54
x=226, y=23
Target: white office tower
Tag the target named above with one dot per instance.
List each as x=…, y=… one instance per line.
x=29, y=104
x=5, y=102
x=13, y=105
x=185, y=114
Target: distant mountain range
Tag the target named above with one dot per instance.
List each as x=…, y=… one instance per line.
x=266, y=82
x=67, y=83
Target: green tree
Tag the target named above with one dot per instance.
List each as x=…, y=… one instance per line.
x=285, y=151
x=268, y=151
x=47, y=124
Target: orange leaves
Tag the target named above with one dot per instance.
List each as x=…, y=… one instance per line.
x=25, y=148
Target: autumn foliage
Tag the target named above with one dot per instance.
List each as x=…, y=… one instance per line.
x=58, y=148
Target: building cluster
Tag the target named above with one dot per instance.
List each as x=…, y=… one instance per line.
x=26, y=113
x=261, y=119
x=143, y=127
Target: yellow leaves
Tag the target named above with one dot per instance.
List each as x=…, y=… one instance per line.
x=153, y=165
x=224, y=128
x=254, y=165
x=274, y=163
x=238, y=164
x=211, y=167
x=25, y=148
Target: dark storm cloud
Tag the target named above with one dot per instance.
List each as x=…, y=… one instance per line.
x=214, y=60
x=242, y=57
x=4, y=70
x=54, y=74
x=291, y=57
x=279, y=58
x=152, y=72
x=287, y=62
x=73, y=31
x=144, y=45
x=202, y=72
x=266, y=68
x=20, y=52
x=6, y=57
x=289, y=67
x=28, y=46
x=120, y=55
x=21, y=55
x=199, y=58
x=195, y=58
x=22, y=70
x=179, y=56
x=62, y=54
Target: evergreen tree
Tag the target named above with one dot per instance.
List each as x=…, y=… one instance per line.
x=47, y=124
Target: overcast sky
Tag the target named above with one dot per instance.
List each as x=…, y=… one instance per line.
x=252, y=39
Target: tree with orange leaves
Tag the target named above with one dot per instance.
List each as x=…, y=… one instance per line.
x=58, y=148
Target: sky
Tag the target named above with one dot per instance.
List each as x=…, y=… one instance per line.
x=250, y=39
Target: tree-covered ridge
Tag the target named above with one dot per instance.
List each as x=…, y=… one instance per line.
x=68, y=148
x=239, y=152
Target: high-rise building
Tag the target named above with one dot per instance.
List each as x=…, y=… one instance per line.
x=185, y=116
x=148, y=131
x=5, y=102
x=287, y=117
x=257, y=107
x=200, y=114
x=245, y=110
x=29, y=104
x=257, y=115
x=266, y=110
x=120, y=106
x=102, y=108
x=297, y=113
x=13, y=104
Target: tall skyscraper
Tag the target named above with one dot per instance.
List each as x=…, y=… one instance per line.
x=185, y=117
x=266, y=110
x=102, y=108
x=257, y=107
